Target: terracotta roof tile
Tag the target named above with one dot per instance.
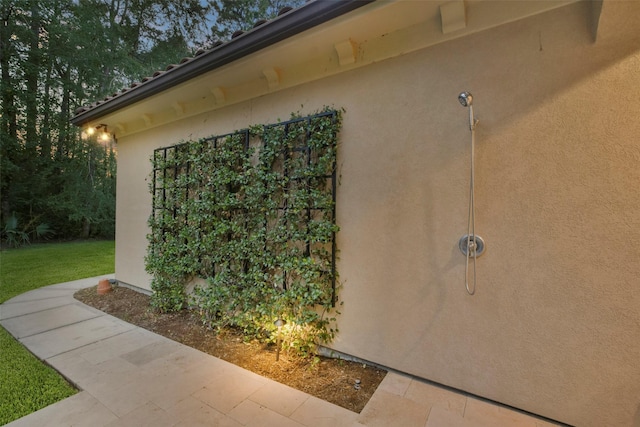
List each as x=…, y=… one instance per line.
x=237, y=34
x=260, y=22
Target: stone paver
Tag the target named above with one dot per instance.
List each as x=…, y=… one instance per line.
x=81, y=409
x=66, y=338
x=48, y=319
x=132, y=377
x=12, y=309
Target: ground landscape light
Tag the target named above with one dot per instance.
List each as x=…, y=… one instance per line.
x=279, y=324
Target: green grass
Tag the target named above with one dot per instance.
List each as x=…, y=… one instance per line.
x=32, y=267
x=27, y=384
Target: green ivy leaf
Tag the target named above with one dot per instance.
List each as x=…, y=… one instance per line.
x=252, y=213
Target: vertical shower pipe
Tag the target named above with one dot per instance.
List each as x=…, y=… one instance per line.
x=471, y=245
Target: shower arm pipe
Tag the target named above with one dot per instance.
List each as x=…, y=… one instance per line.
x=472, y=120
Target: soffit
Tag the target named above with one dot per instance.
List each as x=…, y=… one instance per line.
x=377, y=31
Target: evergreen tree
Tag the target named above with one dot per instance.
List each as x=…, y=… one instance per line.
x=56, y=55
x=242, y=15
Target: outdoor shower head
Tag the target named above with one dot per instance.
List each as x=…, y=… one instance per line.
x=466, y=99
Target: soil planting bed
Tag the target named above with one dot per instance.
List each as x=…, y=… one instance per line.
x=330, y=379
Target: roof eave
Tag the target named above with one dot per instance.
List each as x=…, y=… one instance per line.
x=288, y=25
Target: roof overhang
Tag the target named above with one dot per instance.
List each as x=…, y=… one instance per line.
x=320, y=39
x=281, y=28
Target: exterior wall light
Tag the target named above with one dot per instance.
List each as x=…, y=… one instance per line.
x=104, y=136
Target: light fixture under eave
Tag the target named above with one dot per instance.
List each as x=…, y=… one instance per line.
x=104, y=136
x=87, y=132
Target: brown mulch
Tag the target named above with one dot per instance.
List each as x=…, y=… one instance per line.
x=329, y=379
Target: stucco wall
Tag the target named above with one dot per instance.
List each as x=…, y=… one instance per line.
x=554, y=327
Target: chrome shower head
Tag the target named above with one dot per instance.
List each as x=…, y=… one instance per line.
x=466, y=99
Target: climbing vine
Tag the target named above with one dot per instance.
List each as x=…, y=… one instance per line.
x=252, y=215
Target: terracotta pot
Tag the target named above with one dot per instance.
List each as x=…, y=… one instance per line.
x=104, y=287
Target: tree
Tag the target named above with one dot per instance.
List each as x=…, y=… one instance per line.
x=241, y=15
x=56, y=55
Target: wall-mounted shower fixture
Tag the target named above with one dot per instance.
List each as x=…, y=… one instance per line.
x=466, y=99
x=471, y=245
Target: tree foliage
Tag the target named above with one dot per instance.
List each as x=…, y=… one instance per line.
x=242, y=15
x=56, y=55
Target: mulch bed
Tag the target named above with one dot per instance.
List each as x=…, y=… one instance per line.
x=329, y=379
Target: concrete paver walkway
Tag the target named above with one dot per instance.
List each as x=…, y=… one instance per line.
x=132, y=377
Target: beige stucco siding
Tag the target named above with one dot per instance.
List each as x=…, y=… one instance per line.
x=554, y=326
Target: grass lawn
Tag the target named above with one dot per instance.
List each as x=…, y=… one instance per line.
x=34, y=266
x=26, y=384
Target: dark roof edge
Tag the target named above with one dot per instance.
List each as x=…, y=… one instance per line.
x=281, y=28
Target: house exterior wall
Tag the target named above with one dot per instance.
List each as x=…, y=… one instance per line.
x=554, y=326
